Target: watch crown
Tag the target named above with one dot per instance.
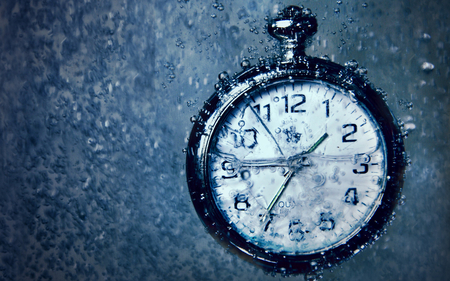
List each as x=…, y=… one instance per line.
x=293, y=26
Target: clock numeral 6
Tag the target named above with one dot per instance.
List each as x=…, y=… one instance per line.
x=354, y=129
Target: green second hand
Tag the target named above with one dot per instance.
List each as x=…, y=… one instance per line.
x=280, y=190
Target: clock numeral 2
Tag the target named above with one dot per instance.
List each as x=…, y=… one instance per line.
x=354, y=130
x=351, y=196
x=294, y=107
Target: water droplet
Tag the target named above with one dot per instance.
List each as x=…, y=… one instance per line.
x=427, y=67
x=402, y=200
x=364, y=5
x=245, y=63
x=213, y=16
x=223, y=75
x=351, y=64
x=337, y=11
x=193, y=119
x=339, y=2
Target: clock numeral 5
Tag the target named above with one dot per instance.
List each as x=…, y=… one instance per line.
x=354, y=130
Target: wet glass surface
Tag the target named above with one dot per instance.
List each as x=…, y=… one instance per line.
x=95, y=105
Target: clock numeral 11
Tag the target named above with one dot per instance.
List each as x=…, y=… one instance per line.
x=258, y=110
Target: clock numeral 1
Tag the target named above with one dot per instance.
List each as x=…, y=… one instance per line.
x=354, y=130
x=351, y=196
x=294, y=107
x=327, y=107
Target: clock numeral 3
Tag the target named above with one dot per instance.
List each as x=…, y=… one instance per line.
x=364, y=171
x=354, y=130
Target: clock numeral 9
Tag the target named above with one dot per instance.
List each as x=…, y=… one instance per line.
x=354, y=130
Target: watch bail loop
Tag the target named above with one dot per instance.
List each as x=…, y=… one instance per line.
x=293, y=26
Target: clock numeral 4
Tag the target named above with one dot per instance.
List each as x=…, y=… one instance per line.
x=351, y=196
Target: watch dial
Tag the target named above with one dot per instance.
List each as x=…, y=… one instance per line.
x=297, y=167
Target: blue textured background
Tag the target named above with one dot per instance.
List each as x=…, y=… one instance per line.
x=95, y=101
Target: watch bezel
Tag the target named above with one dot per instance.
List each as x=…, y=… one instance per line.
x=232, y=92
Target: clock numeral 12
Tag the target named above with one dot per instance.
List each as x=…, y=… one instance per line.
x=294, y=107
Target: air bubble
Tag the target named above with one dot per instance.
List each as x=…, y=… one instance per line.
x=276, y=99
x=241, y=123
x=402, y=200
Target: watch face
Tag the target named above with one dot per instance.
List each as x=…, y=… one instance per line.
x=297, y=167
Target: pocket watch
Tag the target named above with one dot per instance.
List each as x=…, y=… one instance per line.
x=295, y=164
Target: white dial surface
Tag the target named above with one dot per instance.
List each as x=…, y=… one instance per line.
x=298, y=167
